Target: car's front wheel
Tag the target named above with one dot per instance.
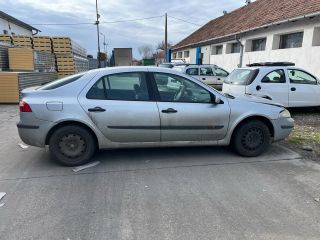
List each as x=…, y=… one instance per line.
x=72, y=145
x=251, y=138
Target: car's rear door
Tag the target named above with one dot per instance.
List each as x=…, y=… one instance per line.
x=188, y=113
x=122, y=107
x=207, y=76
x=273, y=84
x=193, y=72
x=304, y=89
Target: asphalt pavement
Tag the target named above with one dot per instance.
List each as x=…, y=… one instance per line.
x=172, y=193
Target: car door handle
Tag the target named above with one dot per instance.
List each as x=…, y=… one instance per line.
x=258, y=88
x=219, y=78
x=169, y=110
x=96, y=109
x=203, y=78
x=293, y=89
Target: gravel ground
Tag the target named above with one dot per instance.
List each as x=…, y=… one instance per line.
x=305, y=138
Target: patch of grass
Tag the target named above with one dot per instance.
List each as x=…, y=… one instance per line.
x=302, y=137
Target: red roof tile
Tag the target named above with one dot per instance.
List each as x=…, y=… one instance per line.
x=254, y=15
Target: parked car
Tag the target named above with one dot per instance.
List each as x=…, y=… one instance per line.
x=209, y=74
x=280, y=82
x=166, y=65
x=133, y=107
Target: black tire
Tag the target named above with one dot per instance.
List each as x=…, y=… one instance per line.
x=251, y=138
x=72, y=145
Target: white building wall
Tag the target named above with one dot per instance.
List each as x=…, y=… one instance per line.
x=206, y=51
x=307, y=56
x=17, y=30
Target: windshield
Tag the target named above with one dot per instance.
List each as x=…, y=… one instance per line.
x=61, y=82
x=242, y=76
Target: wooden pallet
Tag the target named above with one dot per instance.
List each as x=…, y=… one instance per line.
x=21, y=59
x=5, y=39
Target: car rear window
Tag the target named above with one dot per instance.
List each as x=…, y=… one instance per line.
x=242, y=76
x=61, y=82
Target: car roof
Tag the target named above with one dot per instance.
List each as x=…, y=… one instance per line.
x=110, y=70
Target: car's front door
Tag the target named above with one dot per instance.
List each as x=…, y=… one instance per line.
x=188, y=113
x=121, y=106
x=273, y=85
x=219, y=75
x=304, y=89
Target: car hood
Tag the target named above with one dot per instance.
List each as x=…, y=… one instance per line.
x=257, y=99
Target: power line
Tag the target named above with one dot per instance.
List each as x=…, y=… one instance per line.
x=93, y=23
x=133, y=20
x=185, y=21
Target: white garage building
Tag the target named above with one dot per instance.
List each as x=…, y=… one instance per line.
x=262, y=31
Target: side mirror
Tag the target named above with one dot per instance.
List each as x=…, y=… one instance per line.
x=216, y=100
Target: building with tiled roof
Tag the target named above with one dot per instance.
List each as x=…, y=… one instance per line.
x=264, y=30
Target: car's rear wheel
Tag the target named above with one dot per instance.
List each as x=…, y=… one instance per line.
x=251, y=138
x=72, y=145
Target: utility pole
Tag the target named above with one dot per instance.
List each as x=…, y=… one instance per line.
x=98, y=34
x=166, y=36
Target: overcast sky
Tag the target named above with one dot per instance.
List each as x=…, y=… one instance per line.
x=122, y=34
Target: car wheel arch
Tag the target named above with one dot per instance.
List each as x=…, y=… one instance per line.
x=263, y=119
x=69, y=123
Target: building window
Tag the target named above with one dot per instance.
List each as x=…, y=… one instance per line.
x=174, y=55
x=179, y=54
x=316, y=37
x=258, y=45
x=293, y=40
x=5, y=31
x=186, y=54
x=217, y=50
x=235, y=47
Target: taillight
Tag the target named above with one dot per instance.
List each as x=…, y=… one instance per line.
x=24, y=107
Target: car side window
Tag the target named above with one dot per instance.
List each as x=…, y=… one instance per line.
x=178, y=89
x=122, y=86
x=301, y=77
x=220, y=72
x=192, y=71
x=276, y=76
x=206, y=71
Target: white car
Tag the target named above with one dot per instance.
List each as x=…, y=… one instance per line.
x=209, y=74
x=280, y=82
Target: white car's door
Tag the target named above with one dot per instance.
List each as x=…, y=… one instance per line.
x=304, y=89
x=219, y=75
x=274, y=86
x=207, y=76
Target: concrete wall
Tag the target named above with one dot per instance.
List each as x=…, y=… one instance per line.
x=307, y=56
x=17, y=30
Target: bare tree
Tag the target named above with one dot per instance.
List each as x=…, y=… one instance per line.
x=161, y=45
x=146, y=51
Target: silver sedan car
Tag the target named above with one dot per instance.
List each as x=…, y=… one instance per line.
x=128, y=107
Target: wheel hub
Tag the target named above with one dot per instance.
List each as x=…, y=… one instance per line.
x=253, y=138
x=72, y=145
